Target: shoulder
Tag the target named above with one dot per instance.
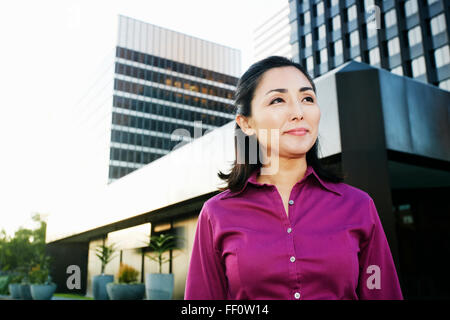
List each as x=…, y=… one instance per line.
x=353, y=193
x=354, y=197
x=213, y=204
x=359, y=202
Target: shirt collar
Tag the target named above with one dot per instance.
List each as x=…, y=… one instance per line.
x=309, y=171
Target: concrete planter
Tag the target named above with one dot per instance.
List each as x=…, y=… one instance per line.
x=25, y=292
x=14, y=290
x=125, y=291
x=99, y=283
x=42, y=291
x=159, y=286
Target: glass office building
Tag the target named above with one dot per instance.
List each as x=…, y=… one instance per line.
x=169, y=88
x=409, y=38
x=272, y=37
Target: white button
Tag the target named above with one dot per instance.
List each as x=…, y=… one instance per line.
x=289, y=230
x=291, y=202
x=292, y=259
x=297, y=295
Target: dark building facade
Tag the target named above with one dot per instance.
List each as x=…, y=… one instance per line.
x=409, y=38
x=169, y=88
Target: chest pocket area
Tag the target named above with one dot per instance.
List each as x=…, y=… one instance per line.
x=330, y=258
x=262, y=268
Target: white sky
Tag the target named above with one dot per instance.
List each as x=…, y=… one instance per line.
x=50, y=54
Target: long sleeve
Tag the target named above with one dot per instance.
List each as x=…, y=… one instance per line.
x=206, y=275
x=377, y=278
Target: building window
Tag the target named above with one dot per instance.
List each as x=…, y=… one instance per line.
x=414, y=36
x=310, y=65
x=319, y=9
x=430, y=2
x=442, y=56
x=336, y=22
x=323, y=55
x=393, y=46
x=418, y=66
x=371, y=31
x=368, y=4
x=338, y=47
x=438, y=24
x=445, y=84
x=358, y=58
x=354, y=38
x=410, y=7
x=322, y=33
x=334, y=3
x=351, y=13
x=374, y=56
x=398, y=70
x=307, y=17
x=390, y=18
x=308, y=40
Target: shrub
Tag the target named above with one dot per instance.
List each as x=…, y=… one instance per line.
x=105, y=254
x=16, y=277
x=39, y=275
x=127, y=274
x=4, y=281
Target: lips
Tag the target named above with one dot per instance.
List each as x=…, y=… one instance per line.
x=298, y=131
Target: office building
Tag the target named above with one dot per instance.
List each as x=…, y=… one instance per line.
x=272, y=37
x=169, y=88
x=409, y=38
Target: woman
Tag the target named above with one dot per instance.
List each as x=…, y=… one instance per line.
x=285, y=228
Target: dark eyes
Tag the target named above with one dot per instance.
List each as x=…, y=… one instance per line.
x=277, y=100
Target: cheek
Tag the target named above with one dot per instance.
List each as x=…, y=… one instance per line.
x=268, y=124
x=312, y=116
x=270, y=120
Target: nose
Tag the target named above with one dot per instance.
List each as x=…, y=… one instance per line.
x=296, y=110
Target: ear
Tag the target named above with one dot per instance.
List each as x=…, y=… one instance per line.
x=245, y=124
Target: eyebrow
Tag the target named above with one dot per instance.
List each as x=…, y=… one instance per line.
x=282, y=90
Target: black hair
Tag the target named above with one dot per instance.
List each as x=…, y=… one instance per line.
x=242, y=168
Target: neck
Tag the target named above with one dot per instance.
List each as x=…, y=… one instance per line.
x=288, y=172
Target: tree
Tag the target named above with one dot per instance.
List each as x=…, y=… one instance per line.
x=24, y=249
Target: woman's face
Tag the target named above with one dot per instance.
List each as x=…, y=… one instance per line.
x=284, y=100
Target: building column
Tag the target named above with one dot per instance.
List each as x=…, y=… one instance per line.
x=364, y=155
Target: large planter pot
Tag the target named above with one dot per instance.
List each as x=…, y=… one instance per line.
x=14, y=290
x=99, y=283
x=124, y=291
x=42, y=291
x=159, y=286
x=25, y=292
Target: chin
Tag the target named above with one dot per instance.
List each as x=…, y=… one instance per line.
x=294, y=153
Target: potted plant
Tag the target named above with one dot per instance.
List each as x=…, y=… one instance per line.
x=41, y=285
x=24, y=288
x=128, y=287
x=5, y=279
x=105, y=254
x=14, y=285
x=159, y=286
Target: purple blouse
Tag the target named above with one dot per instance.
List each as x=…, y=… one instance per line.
x=331, y=246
